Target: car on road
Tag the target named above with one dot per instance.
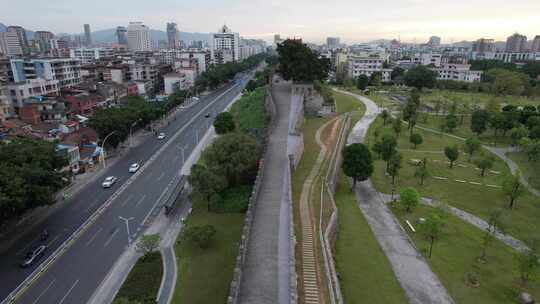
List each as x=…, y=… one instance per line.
x=33, y=256
x=134, y=168
x=109, y=181
x=207, y=115
x=161, y=135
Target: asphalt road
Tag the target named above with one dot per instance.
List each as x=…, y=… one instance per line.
x=74, y=277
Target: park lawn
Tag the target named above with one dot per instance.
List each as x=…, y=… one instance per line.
x=362, y=265
x=472, y=98
x=479, y=200
x=346, y=103
x=250, y=112
x=455, y=254
x=143, y=281
x=205, y=274
x=529, y=169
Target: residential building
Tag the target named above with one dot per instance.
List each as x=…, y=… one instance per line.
x=10, y=44
x=66, y=70
x=179, y=81
x=250, y=47
x=516, y=43
x=512, y=57
x=121, y=35
x=38, y=109
x=173, y=36
x=43, y=40
x=225, y=46
x=360, y=65
x=18, y=92
x=138, y=36
x=277, y=39
x=333, y=42
x=88, y=55
x=458, y=72
x=87, y=35
x=535, y=46
x=483, y=45
x=81, y=102
x=21, y=34
x=434, y=41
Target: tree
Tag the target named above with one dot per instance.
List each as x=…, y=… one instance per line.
x=452, y=153
x=431, y=228
x=451, y=122
x=472, y=144
x=202, y=235
x=410, y=198
x=388, y=148
x=504, y=82
x=385, y=115
x=298, y=62
x=397, y=74
x=416, y=139
x=224, y=123
x=422, y=172
x=484, y=164
x=375, y=79
x=420, y=77
x=517, y=133
x=479, y=121
x=357, y=162
x=394, y=164
x=532, y=148
x=233, y=156
x=527, y=265
x=362, y=82
x=396, y=126
x=206, y=183
x=495, y=224
x=513, y=188
x=148, y=243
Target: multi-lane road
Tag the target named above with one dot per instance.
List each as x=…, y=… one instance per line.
x=74, y=276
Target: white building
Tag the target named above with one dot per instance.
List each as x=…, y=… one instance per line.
x=224, y=46
x=18, y=92
x=138, y=36
x=10, y=44
x=250, y=47
x=66, y=70
x=88, y=55
x=458, y=72
x=181, y=81
x=179, y=57
x=359, y=65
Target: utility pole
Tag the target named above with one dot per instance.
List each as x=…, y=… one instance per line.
x=126, y=220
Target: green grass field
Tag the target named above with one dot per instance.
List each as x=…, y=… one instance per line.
x=362, y=265
x=204, y=275
x=476, y=199
x=249, y=111
x=430, y=96
x=529, y=169
x=142, y=283
x=455, y=254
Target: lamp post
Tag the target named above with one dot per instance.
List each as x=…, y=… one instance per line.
x=183, y=154
x=103, y=149
x=126, y=220
x=131, y=131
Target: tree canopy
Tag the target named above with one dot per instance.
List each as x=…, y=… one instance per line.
x=299, y=63
x=420, y=77
x=357, y=162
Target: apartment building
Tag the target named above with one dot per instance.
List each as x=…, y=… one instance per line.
x=359, y=65
x=138, y=36
x=88, y=55
x=17, y=92
x=66, y=70
x=458, y=72
x=225, y=46
x=10, y=44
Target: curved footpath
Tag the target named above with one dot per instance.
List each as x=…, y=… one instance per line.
x=414, y=274
x=266, y=271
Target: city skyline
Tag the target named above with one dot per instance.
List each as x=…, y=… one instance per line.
x=410, y=20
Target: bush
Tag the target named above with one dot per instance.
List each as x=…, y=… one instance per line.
x=200, y=235
x=142, y=283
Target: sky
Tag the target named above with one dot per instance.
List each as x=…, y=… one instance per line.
x=313, y=20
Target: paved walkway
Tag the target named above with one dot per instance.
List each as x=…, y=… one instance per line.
x=266, y=272
x=414, y=274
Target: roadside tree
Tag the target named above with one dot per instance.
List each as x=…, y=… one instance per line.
x=452, y=153
x=410, y=198
x=357, y=162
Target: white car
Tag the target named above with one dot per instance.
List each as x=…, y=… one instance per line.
x=109, y=181
x=134, y=167
x=161, y=135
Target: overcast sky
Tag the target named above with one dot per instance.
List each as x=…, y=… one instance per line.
x=352, y=20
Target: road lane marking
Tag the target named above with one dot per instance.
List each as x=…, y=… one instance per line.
x=111, y=237
x=94, y=236
x=140, y=200
x=161, y=176
x=69, y=291
x=92, y=205
x=44, y=291
x=127, y=200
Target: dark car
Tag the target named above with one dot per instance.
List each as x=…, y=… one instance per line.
x=33, y=256
x=207, y=115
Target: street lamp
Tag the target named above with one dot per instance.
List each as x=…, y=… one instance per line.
x=183, y=154
x=131, y=131
x=103, y=148
x=126, y=220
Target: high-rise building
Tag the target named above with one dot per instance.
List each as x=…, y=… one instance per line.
x=21, y=33
x=516, y=43
x=225, y=46
x=10, y=44
x=434, y=41
x=87, y=35
x=138, y=36
x=173, y=36
x=483, y=45
x=121, y=35
x=535, y=47
x=332, y=42
x=277, y=39
x=43, y=40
